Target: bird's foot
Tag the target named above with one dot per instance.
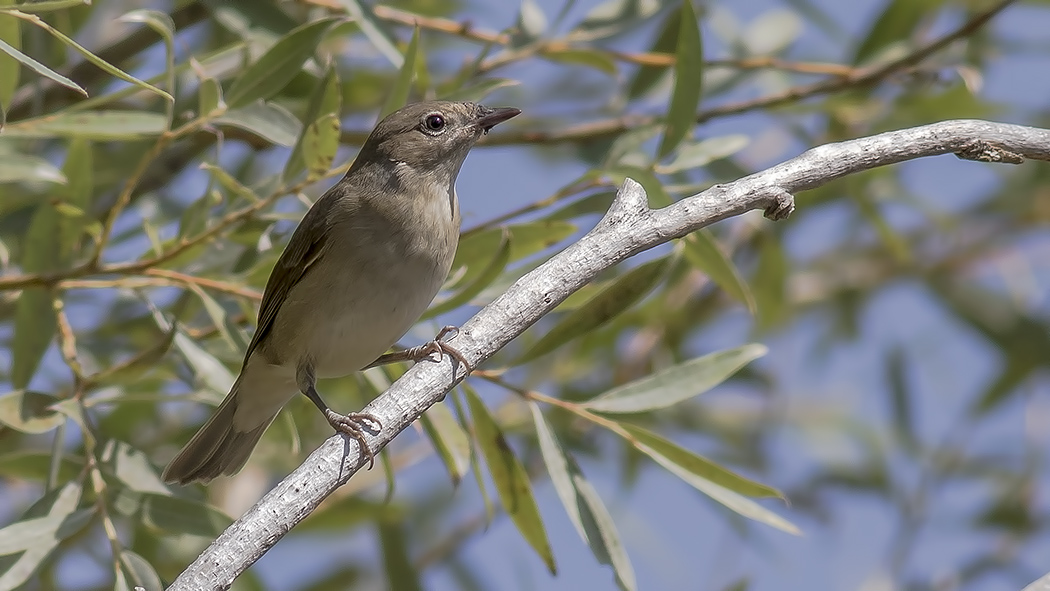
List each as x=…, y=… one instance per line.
x=354, y=424
x=437, y=346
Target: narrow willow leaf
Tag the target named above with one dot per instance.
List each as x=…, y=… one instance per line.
x=183, y=516
x=677, y=383
x=79, y=169
x=35, y=320
x=134, y=469
x=229, y=183
x=42, y=5
x=140, y=572
x=476, y=248
x=897, y=22
x=91, y=57
x=511, y=480
x=614, y=16
x=209, y=98
x=209, y=370
x=325, y=101
x=702, y=251
x=16, y=168
x=91, y=125
x=652, y=444
x=493, y=270
x=29, y=412
x=666, y=41
x=269, y=121
x=475, y=460
x=162, y=24
x=692, y=155
x=276, y=68
x=592, y=58
x=479, y=90
x=400, y=572
x=731, y=500
x=623, y=293
x=374, y=31
x=530, y=26
x=688, y=71
x=585, y=508
x=449, y=440
x=319, y=146
x=37, y=67
x=769, y=283
x=403, y=84
x=51, y=520
x=10, y=69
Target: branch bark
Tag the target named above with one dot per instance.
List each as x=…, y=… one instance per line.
x=629, y=227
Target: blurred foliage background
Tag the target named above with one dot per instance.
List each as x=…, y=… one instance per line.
x=154, y=159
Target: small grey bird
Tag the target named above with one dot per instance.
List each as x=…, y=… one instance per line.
x=361, y=268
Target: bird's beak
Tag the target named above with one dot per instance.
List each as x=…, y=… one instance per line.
x=491, y=117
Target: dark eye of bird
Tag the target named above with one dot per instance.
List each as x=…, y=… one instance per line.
x=434, y=122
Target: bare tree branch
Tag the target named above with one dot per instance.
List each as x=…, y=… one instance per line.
x=629, y=227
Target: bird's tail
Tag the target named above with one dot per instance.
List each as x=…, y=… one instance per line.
x=217, y=449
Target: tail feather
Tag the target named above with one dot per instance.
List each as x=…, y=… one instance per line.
x=217, y=449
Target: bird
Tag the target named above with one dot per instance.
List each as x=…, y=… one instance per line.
x=362, y=266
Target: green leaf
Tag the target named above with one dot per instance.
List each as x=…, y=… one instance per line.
x=42, y=5
x=403, y=85
x=585, y=508
x=677, y=383
x=624, y=292
x=278, y=66
x=11, y=37
x=269, y=121
x=401, y=574
x=476, y=248
x=91, y=125
x=479, y=90
x=229, y=183
x=29, y=412
x=140, y=572
x=772, y=32
x=702, y=251
x=183, y=516
x=325, y=102
x=319, y=146
x=692, y=155
x=35, y=466
x=209, y=98
x=665, y=43
x=900, y=398
x=770, y=282
x=591, y=58
x=530, y=26
x=34, y=65
x=134, y=469
x=209, y=370
x=511, y=480
x=101, y=63
x=614, y=16
x=449, y=440
x=711, y=479
x=39, y=532
x=698, y=465
x=16, y=168
x=688, y=70
x=897, y=22
x=35, y=320
x=489, y=274
x=164, y=26
x=79, y=169
x=374, y=31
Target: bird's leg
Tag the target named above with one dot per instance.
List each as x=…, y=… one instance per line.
x=352, y=424
x=424, y=351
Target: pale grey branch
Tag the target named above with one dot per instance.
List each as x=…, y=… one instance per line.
x=628, y=228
